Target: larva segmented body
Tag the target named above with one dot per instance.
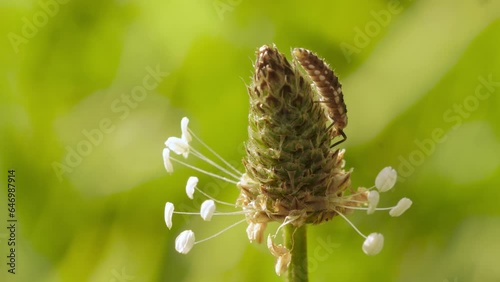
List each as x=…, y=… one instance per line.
x=328, y=86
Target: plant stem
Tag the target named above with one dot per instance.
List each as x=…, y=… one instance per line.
x=296, y=241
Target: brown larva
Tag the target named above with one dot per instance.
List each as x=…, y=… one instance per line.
x=328, y=86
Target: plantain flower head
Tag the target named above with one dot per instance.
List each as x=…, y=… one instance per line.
x=293, y=172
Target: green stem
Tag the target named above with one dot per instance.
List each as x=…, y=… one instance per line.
x=296, y=241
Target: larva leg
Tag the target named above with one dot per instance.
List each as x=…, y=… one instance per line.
x=341, y=141
x=344, y=136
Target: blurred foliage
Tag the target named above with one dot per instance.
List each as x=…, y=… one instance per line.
x=408, y=68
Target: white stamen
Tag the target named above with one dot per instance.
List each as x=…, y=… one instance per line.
x=169, y=210
x=401, y=207
x=191, y=185
x=386, y=179
x=207, y=210
x=373, y=199
x=185, y=131
x=184, y=242
x=178, y=145
x=373, y=244
x=166, y=160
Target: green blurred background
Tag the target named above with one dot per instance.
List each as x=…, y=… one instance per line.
x=415, y=76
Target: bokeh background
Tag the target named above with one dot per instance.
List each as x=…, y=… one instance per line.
x=90, y=90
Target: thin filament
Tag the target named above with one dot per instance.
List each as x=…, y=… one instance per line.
x=204, y=171
x=350, y=223
x=215, y=200
x=205, y=159
x=220, y=232
x=215, y=154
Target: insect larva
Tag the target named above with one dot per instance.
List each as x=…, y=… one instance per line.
x=328, y=86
